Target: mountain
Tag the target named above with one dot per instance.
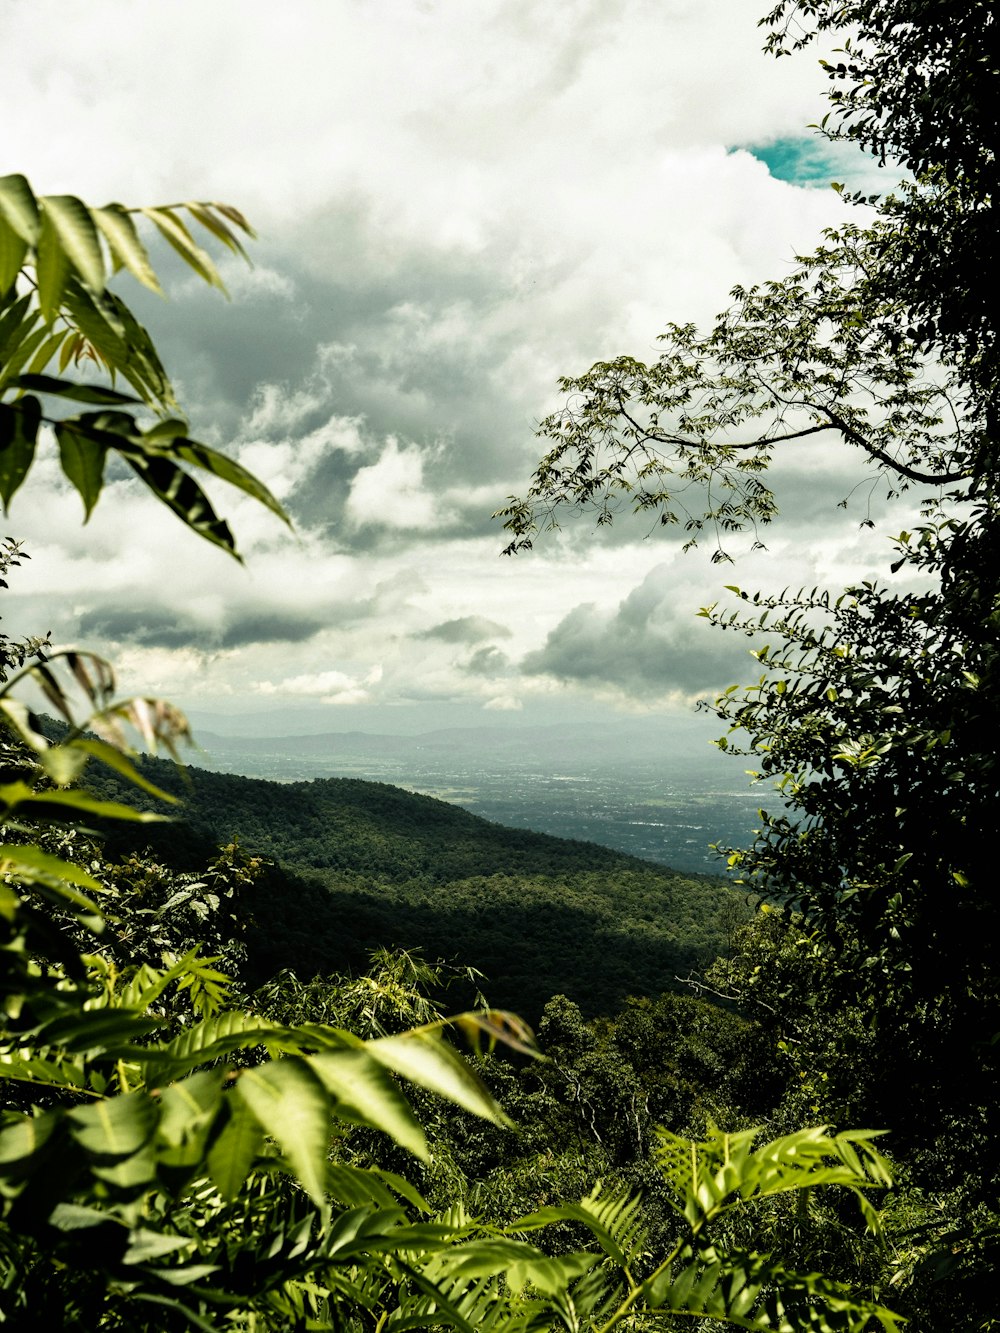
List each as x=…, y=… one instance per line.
x=362, y=864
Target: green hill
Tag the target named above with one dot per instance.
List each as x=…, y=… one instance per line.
x=361, y=864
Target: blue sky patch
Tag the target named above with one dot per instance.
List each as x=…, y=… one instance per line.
x=812, y=161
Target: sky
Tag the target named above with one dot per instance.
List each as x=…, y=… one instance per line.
x=456, y=204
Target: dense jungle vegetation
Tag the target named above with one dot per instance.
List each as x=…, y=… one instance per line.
x=187, y=1143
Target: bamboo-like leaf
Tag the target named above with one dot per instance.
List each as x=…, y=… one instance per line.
x=31, y=335
x=47, y=349
x=293, y=1108
x=82, y=458
x=13, y=249
x=19, y=207
x=19, y=424
x=173, y=230
x=364, y=1094
x=613, y=1219
x=77, y=235
x=127, y=250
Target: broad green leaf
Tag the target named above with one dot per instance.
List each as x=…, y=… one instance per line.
x=97, y=1030
x=62, y=764
x=366, y=1095
x=82, y=458
x=19, y=1142
x=115, y=1126
x=82, y=393
x=144, y=1245
x=127, y=250
x=293, y=1108
x=173, y=230
x=77, y=235
x=31, y=862
x=19, y=207
x=65, y=805
x=19, y=424
x=423, y=1058
x=200, y=455
x=107, y=754
x=46, y=350
x=233, y=1152
x=28, y=339
x=212, y=1039
x=77, y=1217
x=184, y=496
x=188, y=1110
x=51, y=268
x=13, y=248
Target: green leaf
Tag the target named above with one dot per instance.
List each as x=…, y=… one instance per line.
x=208, y=219
x=182, y=494
x=174, y=231
x=13, y=249
x=293, y=1108
x=116, y=1127
x=82, y=393
x=30, y=863
x=200, y=455
x=188, y=1111
x=19, y=424
x=107, y=754
x=82, y=458
x=423, y=1058
x=127, y=250
x=366, y=1095
x=64, y=805
x=19, y=207
x=77, y=235
x=46, y=350
x=21, y=1141
x=233, y=1152
x=51, y=268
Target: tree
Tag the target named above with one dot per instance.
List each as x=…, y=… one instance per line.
x=876, y=713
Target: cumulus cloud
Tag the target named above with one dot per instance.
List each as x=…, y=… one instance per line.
x=648, y=647
x=328, y=687
x=466, y=629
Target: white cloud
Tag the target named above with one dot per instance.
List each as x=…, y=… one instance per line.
x=458, y=203
x=391, y=492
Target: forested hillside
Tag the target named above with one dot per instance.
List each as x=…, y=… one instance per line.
x=363, y=864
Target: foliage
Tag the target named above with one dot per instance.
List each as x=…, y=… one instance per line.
x=57, y=309
x=169, y=1158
